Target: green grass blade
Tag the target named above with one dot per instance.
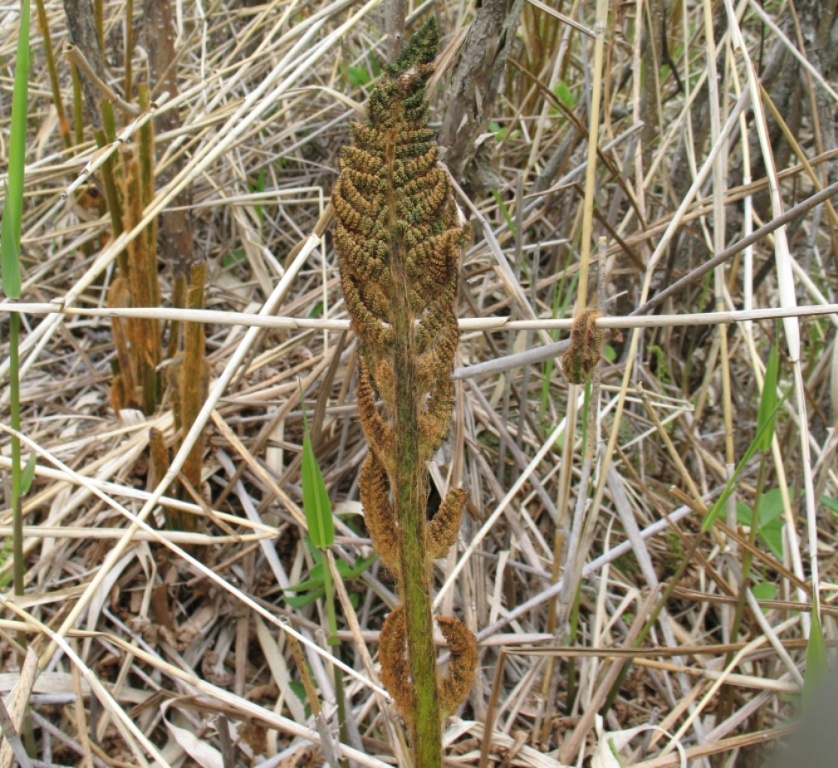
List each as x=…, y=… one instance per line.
x=9, y=252
x=817, y=664
x=13, y=202
x=28, y=473
x=316, y=504
x=505, y=211
x=713, y=512
x=768, y=401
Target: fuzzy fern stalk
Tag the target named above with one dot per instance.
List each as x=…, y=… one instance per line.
x=189, y=385
x=398, y=244
x=137, y=382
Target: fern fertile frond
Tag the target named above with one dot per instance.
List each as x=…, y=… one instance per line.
x=398, y=242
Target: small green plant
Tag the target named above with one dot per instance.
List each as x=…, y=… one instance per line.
x=398, y=244
x=359, y=76
x=321, y=534
x=11, y=274
x=314, y=587
x=502, y=133
x=766, y=420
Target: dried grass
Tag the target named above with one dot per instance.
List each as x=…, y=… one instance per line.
x=156, y=644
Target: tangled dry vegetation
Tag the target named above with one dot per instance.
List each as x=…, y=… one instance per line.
x=171, y=628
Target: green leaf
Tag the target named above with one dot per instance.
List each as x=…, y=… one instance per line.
x=615, y=753
x=502, y=132
x=299, y=689
x=772, y=521
x=744, y=514
x=830, y=503
x=816, y=662
x=361, y=565
x=358, y=76
x=316, y=554
x=258, y=185
x=316, y=504
x=767, y=416
x=28, y=473
x=765, y=590
x=300, y=601
x=315, y=579
x=13, y=202
x=231, y=259
x=564, y=94
x=317, y=310
x=772, y=534
x=769, y=520
x=771, y=507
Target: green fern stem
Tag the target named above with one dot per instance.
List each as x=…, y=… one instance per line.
x=410, y=504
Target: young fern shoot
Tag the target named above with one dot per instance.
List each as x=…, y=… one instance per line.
x=398, y=244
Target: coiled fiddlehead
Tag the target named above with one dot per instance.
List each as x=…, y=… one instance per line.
x=398, y=245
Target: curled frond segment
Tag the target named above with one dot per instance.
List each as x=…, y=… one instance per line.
x=442, y=529
x=378, y=511
x=395, y=669
x=378, y=432
x=458, y=681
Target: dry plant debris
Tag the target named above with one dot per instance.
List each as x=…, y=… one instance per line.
x=581, y=564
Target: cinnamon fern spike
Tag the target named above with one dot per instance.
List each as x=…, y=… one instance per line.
x=398, y=243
